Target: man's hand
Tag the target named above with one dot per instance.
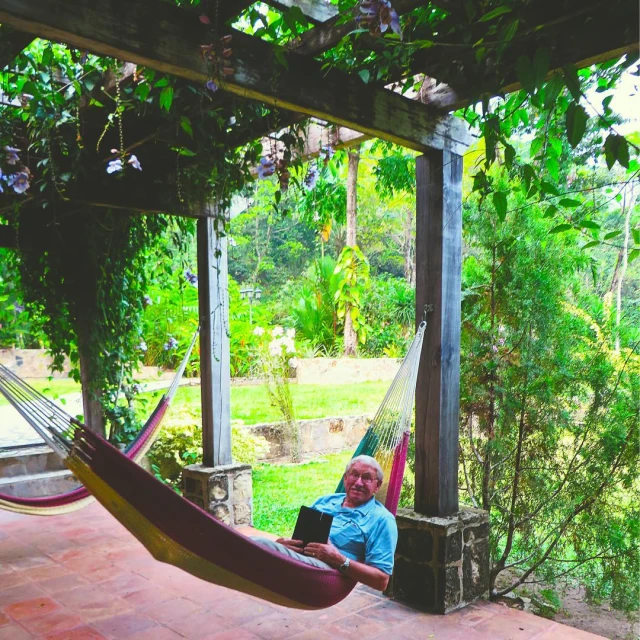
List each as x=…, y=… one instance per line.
x=294, y=545
x=326, y=553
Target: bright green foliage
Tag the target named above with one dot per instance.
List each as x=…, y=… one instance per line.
x=180, y=444
x=314, y=308
x=354, y=270
x=549, y=410
x=390, y=309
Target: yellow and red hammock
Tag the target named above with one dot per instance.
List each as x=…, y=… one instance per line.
x=43, y=414
x=178, y=532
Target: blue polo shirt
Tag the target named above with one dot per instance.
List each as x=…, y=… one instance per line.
x=367, y=533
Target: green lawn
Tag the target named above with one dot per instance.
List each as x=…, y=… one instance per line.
x=280, y=490
x=53, y=389
x=251, y=404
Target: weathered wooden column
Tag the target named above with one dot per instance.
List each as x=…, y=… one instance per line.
x=442, y=557
x=217, y=485
x=215, y=376
x=438, y=282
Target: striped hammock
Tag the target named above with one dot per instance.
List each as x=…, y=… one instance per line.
x=30, y=402
x=177, y=532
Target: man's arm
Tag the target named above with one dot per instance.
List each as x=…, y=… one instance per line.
x=371, y=576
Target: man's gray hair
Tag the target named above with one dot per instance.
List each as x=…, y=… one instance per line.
x=369, y=461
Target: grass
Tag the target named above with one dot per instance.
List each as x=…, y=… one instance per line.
x=251, y=404
x=280, y=490
x=53, y=389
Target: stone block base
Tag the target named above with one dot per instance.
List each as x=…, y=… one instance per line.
x=226, y=491
x=442, y=563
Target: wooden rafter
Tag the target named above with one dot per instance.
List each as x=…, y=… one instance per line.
x=587, y=38
x=167, y=39
x=11, y=44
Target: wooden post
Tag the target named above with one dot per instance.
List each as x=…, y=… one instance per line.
x=215, y=373
x=438, y=281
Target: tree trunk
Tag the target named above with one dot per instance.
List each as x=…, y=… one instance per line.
x=93, y=413
x=350, y=337
x=409, y=250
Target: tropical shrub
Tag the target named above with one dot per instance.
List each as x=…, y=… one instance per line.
x=180, y=444
x=390, y=311
x=314, y=311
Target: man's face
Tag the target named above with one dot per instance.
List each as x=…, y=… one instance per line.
x=360, y=483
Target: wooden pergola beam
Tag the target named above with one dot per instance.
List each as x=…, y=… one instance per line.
x=165, y=38
x=11, y=44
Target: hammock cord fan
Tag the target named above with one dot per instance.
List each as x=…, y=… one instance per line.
x=47, y=418
x=178, y=532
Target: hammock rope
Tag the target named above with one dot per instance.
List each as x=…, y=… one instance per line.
x=178, y=532
x=56, y=427
x=387, y=437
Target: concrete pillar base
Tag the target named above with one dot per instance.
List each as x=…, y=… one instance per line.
x=226, y=491
x=442, y=563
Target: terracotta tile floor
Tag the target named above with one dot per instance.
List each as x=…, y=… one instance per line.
x=84, y=577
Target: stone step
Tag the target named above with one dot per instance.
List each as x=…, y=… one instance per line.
x=38, y=485
x=21, y=461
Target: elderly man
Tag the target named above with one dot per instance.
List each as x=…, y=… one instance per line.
x=363, y=535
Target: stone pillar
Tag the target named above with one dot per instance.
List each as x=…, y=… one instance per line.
x=224, y=491
x=442, y=563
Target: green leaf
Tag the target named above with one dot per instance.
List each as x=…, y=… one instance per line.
x=623, y=152
x=500, y=203
x=635, y=233
x=551, y=211
x=633, y=254
x=561, y=227
x=569, y=202
x=548, y=188
x=495, y=13
x=186, y=152
x=166, y=98
x=610, y=149
x=576, y=123
x=589, y=224
x=573, y=81
x=365, y=75
x=593, y=243
x=613, y=234
x=185, y=123
x=509, y=155
x=524, y=71
x=552, y=90
x=541, y=60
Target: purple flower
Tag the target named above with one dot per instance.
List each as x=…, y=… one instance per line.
x=311, y=178
x=20, y=182
x=142, y=346
x=494, y=348
x=266, y=168
x=18, y=308
x=327, y=152
x=12, y=155
x=2, y=177
x=192, y=278
x=134, y=162
x=146, y=300
x=114, y=165
x=212, y=86
x=136, y=388
x=170, y=344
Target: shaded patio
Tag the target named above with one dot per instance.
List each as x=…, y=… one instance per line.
x=83, y=576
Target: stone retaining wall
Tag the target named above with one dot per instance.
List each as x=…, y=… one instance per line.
x=345, y=370
x=323, y=435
